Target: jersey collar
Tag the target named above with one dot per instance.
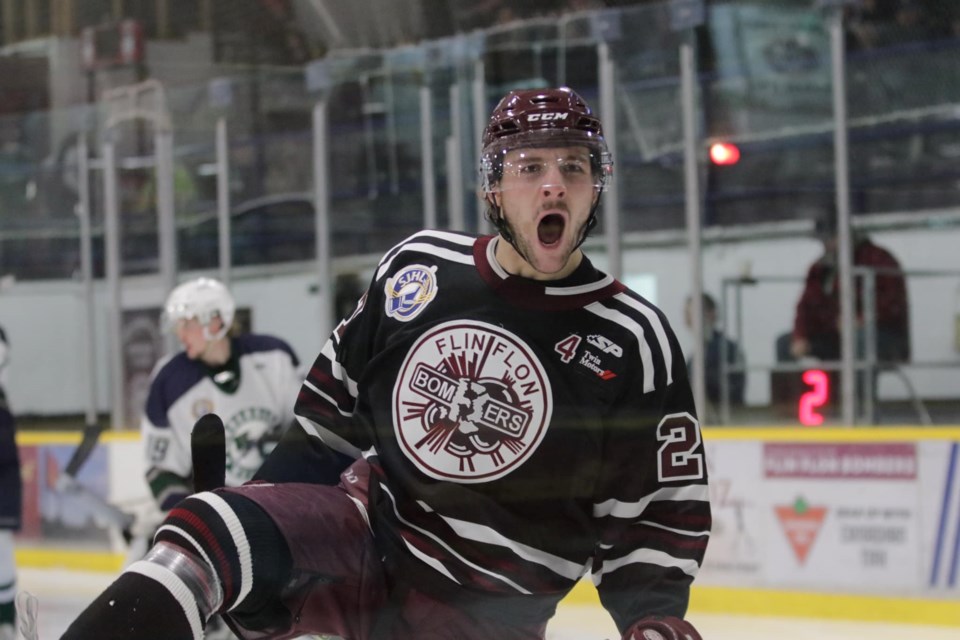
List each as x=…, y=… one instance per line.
x=585, y=285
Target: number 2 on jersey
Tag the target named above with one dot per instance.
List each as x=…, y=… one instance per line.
x=677, y=460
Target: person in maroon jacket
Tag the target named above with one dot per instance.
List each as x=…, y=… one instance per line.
x=816, y=325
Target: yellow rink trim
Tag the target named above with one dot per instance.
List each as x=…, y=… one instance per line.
x=832, y=434
x=797, y=604
x=66, y=559
x=797, y=433
x=71, y=437
x=710, y=432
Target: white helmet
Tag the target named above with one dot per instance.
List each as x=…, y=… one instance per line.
x=203, y=299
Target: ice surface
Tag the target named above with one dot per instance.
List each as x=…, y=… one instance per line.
x=63, y=594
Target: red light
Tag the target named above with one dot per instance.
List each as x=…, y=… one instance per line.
x=815, y=398
x=724, y=153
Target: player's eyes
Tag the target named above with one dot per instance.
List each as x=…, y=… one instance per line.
x=535, y=169
x=531, y=168
x=577, y=168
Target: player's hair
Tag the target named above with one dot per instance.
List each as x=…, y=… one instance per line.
x=519, y=121
x=203, y=299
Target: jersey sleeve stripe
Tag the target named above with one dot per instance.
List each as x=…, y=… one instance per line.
x=327, y=398
x=433, y=563
x=447, y=548
x=657, y=324
x=646, y=355
x=337, y=371
x=328, y=437
x=486, y=535
x=618, y=509
x=431, y=249
x=682, y=532
x=646, y=556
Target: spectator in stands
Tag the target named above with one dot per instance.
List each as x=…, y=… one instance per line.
x=715, y=345
x=816, y=326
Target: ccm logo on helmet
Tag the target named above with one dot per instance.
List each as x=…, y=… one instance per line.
x=547, y=116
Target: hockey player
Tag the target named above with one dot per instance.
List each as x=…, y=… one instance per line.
x=10, y=502
x=495, y=420
x=250, y=381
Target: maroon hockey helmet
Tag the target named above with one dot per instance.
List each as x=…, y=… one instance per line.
x=555, y=117
x=541, y=118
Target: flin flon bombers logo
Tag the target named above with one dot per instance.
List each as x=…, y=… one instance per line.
x=410, y=291
x=472, y=402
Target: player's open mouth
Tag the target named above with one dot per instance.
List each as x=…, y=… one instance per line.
x=550, y=229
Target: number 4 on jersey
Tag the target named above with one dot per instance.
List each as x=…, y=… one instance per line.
x=567, y=348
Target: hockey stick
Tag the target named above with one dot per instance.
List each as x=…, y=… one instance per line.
x=96, y=505
x=208, y=451
x=68, y=485
x=88, y=441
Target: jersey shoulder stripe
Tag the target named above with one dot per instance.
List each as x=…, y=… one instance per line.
x=173, y=377
x=449, y=246
x=651, y=331
x=653, y=318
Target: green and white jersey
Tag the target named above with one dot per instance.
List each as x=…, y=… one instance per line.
x=253, y=394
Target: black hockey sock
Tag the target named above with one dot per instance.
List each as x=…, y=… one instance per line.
x=214, y=532
x=137, y=607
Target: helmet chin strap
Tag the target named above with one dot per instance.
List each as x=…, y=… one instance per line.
x=210, y=337
x=211, y=340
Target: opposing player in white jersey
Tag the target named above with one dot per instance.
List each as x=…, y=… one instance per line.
x=250, y=381
x=496, y=420
x=10, y=501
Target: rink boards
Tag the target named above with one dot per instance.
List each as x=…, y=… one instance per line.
x=839, y=523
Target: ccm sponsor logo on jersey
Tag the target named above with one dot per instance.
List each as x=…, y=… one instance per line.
x=472, y=402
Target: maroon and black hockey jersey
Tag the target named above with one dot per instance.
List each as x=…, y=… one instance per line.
x=523, y=433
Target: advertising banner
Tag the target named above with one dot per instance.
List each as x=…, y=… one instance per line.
x=858, y=516
x=735, y=553
x=940, y=508
x=54, y=516
x=842, y=515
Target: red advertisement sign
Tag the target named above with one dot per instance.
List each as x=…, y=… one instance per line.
x=854, y=461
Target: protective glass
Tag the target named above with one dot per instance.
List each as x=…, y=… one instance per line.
x=542, y=160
